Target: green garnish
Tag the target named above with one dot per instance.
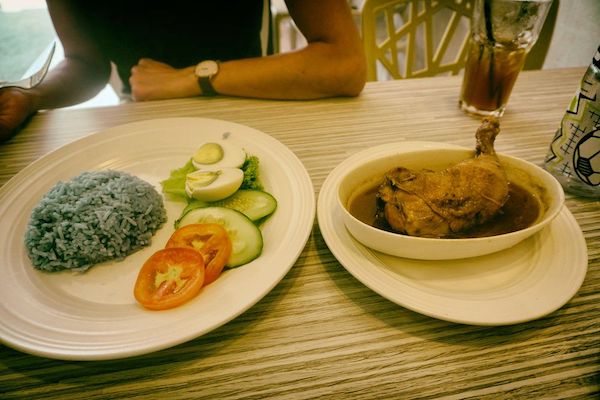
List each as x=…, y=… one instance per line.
x=174, y=186
x=250, y=169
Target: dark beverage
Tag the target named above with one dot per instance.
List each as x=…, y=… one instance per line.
x=502, y=32
x=490, y=74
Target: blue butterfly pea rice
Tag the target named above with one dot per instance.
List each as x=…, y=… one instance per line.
x=95, y=217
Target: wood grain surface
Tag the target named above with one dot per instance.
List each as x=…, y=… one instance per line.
x=321, y=333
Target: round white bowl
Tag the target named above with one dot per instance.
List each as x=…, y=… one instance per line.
x=365, y=168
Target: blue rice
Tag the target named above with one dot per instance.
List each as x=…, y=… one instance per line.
x=93, y=218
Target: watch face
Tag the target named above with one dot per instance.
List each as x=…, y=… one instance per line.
x=207, y=68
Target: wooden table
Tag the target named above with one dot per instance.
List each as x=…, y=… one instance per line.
x=321, y=333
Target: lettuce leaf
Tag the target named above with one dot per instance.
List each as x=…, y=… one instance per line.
x=174, y=186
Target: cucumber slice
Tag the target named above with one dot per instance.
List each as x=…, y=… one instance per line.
x=255, y=204
x=246, y=238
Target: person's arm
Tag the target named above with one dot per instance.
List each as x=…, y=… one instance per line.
x=332, y=63
x=82, y=73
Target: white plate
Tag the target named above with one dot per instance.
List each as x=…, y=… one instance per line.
x=522, y=283
x=93, y=315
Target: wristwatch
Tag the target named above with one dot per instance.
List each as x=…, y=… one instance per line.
x=205, y=72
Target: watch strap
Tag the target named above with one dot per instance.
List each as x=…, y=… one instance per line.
x=206, y=86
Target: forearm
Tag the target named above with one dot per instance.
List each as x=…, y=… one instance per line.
x=70, y=82
x=332, y=63
x=304, y=74
x=82, y=73
x=317, y=71
x=65, y=85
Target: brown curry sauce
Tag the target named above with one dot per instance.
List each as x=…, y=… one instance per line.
x=520, y=211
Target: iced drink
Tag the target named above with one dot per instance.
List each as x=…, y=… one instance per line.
x=502, y=32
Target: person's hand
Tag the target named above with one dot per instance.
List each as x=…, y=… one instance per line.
x=15, y=108
x=153, y=80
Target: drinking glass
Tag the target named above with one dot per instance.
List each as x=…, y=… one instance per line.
x=502, y=33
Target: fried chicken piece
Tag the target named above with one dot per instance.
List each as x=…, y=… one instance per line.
x=442, y=203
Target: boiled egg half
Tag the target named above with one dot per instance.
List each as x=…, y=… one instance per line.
x=213, y=185
x=218, y=155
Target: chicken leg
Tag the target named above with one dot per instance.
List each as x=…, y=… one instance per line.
x=443, y=203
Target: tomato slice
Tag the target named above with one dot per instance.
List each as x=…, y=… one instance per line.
x=211, y=240
x=169, y=278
